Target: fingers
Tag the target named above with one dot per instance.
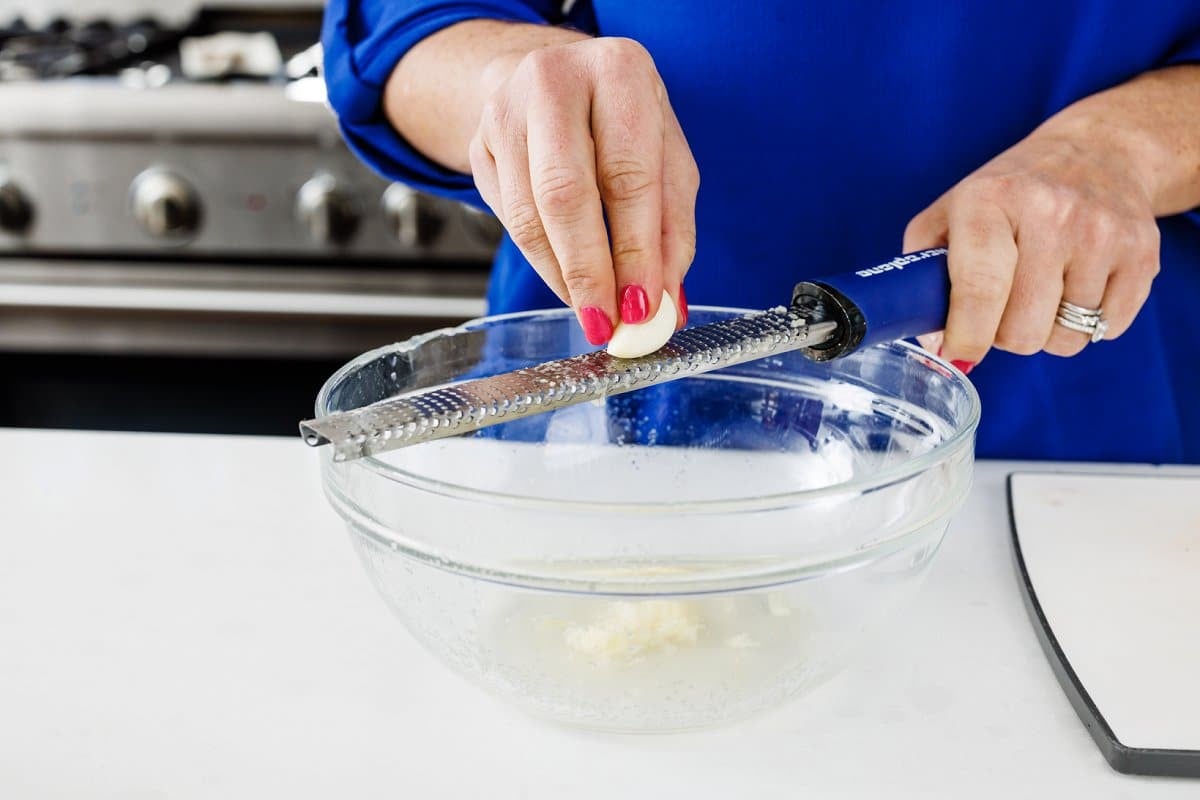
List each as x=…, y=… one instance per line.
x=1037, y=287
x=563, y=182
x=925, y=230
x=483, y=171
x=629, y=164
x=1048, y=220
x=500, y=168
x=1083, y=284
x=1126, y=293
x=1129, y=285
x=583, y=160
x=932, y=342
x=681, y=182
x=982, y=262
x=1115, y=268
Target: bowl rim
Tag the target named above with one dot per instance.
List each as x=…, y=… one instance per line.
x=896, y=473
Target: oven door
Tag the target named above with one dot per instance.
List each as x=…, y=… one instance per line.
x=205, y=347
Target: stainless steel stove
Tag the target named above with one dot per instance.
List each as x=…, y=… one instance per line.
x=173, y=186
x=93, y=166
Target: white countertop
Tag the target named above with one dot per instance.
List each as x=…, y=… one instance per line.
x=183, y=617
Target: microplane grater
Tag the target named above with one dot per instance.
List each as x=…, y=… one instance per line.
x=463, y=407
x=905, y=296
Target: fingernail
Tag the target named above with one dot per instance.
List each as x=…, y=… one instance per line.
x=635, y=305
x=964, y=367
x=596, y=325
x=683, y=309
x=939, y=352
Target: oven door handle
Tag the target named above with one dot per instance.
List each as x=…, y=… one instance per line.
x=239, y=301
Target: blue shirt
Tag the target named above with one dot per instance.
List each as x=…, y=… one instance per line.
x=820, y=129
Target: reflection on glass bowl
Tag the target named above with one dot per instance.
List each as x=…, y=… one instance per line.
x=666, y=559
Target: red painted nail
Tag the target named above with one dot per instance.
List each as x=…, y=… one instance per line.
x=683, y=309
x=597, y=327
x=635, y=305
x=964, y=367
x=939, y=352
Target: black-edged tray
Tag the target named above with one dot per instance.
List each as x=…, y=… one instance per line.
x=1122, y=757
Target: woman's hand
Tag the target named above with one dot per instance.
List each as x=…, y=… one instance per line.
x=1063, y=215
x=572, y=135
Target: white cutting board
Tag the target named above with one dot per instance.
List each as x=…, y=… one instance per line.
x=1114, y=565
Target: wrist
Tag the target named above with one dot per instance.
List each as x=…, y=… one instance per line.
x=1146, y=129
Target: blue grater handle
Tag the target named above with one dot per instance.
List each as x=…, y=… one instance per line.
x=907, y=296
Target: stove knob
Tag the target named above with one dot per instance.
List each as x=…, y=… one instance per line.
x=415, y=219
x=165, y=205
x=328, y=210
x=16, y=212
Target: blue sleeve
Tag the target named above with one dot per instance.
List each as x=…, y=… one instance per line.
x=363, y=41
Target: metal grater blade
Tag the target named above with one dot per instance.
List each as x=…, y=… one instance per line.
x=461, y=408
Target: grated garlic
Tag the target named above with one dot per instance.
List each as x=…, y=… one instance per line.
x=627, y=631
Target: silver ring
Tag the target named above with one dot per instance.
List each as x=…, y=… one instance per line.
x=1088, y=321
x=1071, y=308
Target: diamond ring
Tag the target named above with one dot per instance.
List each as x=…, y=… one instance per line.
x=1088, y=321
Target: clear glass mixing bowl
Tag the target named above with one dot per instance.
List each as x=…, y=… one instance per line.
x=665, y=559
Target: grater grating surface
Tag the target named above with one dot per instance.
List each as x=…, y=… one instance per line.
x=461, y=408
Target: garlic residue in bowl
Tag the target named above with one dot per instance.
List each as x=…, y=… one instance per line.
x=625, y=631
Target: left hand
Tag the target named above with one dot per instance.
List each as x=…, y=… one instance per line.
x=1060, y=216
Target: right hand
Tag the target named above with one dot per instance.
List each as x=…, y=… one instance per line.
x=574, y=133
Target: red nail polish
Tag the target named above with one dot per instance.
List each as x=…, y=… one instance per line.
x=683, y=308
x=597, y=327
x=964, y=367
x=635, y=305
x=939, y=352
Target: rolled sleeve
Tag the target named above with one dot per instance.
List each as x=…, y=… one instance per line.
x=363, y=40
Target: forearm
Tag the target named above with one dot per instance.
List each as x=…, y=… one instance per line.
x=436, y=93
x=1152, y=122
